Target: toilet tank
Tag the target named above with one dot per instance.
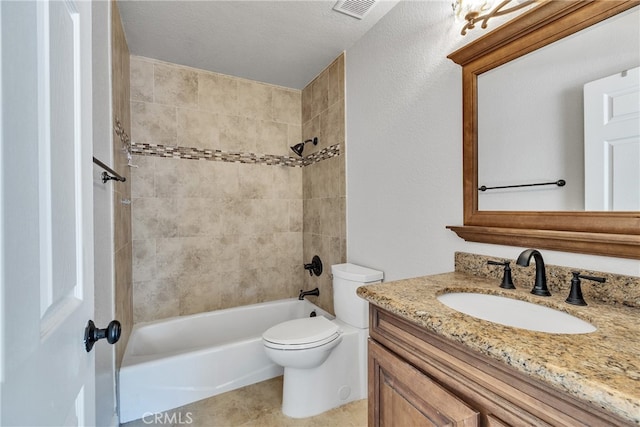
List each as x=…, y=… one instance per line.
x=349, y=307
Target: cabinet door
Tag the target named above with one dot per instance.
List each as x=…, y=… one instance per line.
x=401, y=395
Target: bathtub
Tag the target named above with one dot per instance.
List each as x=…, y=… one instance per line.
x=173, y=362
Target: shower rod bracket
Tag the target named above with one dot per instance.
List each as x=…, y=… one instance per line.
x=106, y=177
x=109, y=173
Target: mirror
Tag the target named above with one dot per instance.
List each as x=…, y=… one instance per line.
x=542, y=140
x=593, y=232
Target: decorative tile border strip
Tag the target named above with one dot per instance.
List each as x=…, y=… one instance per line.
x=190, y=153
x=324, y=154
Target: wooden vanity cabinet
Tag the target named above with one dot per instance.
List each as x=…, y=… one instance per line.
x=407, y=397
x=417, y=378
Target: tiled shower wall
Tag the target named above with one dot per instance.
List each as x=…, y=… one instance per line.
x=324, y=209
x=225, y=230
x=121, y=191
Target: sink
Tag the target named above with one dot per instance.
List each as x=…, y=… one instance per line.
x=515, y=313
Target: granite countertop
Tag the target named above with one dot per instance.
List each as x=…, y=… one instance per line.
x=602, y=367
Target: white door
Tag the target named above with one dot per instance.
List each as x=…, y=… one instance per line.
x=612, y=142
x=47, y=230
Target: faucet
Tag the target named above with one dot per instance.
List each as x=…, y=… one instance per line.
x=540, y=285
x=507, y=281
x=315, y=267
x=314, y=292
x=575, y=294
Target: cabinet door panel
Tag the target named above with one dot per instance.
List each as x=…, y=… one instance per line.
x=402, y=395
x=398, y=408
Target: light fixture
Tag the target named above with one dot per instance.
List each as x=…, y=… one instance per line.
x=474, y=11
x=299, y=147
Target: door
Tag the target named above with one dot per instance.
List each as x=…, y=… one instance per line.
x=612, y=142
x=47, y=377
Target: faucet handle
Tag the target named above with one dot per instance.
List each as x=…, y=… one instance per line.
x=507, y=281
x=575, y=294
x=315, y=267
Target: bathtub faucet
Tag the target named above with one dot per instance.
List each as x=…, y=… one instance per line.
x=315, y=267
x=314, y=292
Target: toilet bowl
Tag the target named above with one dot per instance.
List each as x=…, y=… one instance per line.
x=302, y=343
x=325, y=360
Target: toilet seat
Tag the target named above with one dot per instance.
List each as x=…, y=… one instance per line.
x=300, y=334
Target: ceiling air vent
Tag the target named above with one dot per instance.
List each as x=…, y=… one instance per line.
x=355, y=8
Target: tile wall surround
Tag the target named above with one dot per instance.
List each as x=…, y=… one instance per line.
x=175, y=106
x=122, y=211
x=323, y=183
x=213, y=235
x=228, y=230
x=617, y=290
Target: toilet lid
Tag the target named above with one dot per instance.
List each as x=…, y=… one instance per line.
x=309, y=330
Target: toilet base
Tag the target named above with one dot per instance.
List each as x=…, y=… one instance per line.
x=341, y=379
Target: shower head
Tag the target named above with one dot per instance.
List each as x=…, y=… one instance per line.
x=299, y=147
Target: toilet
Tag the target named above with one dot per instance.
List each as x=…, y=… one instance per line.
x=325, y=360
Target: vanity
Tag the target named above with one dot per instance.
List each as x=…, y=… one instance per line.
x=432, y=365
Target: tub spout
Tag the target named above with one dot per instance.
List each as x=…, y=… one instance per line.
x=314, y=292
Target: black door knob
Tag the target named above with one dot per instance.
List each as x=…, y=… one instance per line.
x=93, y=334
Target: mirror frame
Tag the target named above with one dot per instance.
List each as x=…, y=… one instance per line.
x=614, y=234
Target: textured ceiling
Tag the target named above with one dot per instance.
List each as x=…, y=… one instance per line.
x=286, y=43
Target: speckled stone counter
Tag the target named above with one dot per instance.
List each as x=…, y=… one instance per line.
x=602, y=367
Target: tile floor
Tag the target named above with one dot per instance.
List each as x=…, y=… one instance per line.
x=257, y=405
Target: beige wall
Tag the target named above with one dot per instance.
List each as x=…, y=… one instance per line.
x=225, y=230
x=324, y=181
x=121, y=191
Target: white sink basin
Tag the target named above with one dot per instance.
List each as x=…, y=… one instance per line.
x=516, y=313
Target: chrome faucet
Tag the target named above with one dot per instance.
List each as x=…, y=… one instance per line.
x=540, y=285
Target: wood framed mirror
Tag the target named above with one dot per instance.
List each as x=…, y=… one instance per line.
x=606, y=233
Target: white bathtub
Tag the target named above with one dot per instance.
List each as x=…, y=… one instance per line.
x=173, y=362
